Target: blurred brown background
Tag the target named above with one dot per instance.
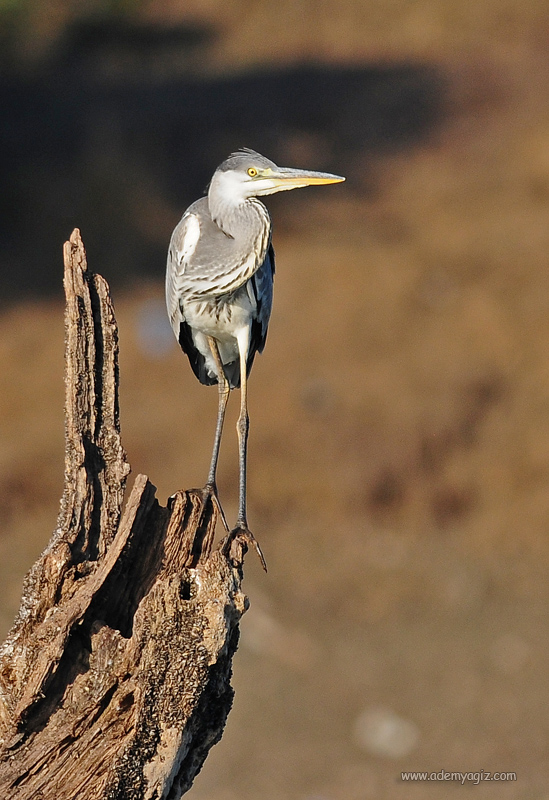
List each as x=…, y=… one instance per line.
x=399, y=453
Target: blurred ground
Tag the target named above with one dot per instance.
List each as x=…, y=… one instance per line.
x=399, y=452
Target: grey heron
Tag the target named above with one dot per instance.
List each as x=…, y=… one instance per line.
x=219, y=290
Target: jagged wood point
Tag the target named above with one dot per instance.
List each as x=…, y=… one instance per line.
x=115, y=677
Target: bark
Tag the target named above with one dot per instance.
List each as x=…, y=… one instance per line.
x=115, y=677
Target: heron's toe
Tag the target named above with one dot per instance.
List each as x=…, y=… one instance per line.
x=209, y=492
x=237, y=543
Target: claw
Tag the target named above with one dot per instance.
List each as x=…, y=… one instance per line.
x=210, y=492
x=243, y=534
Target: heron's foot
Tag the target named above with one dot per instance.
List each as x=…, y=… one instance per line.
x=210, y=492
x=242, y=537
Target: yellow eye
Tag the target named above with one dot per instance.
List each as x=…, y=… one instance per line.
x=252, y=172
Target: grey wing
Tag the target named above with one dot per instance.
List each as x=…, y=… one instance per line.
x=182, y=246
x=260, y=286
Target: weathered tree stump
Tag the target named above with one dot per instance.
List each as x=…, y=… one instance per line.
x=115, y=678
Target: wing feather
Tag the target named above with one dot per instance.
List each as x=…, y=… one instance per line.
x=261, y=284
x=182, y=246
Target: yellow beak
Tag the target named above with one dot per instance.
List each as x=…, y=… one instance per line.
x=284, y=177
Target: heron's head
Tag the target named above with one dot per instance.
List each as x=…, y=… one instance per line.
x=248, y=174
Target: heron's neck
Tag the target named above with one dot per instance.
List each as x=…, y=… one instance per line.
x=226, y=215
x=238, y=220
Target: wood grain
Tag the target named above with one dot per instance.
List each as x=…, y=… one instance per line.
x=115, y=677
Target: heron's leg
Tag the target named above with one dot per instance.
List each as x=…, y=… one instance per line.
x=224, y=389
x=242, y=427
